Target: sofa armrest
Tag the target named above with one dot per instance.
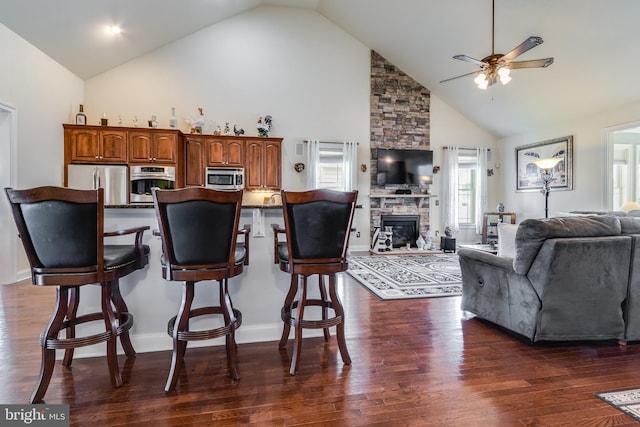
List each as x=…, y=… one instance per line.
x=487, y=258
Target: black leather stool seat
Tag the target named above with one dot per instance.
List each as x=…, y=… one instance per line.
x=118, y=256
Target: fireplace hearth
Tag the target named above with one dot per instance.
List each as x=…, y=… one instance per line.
x=406, y=229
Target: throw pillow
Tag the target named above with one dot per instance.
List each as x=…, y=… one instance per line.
x=507, y=240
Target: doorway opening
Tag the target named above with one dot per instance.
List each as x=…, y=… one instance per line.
x=8, y=150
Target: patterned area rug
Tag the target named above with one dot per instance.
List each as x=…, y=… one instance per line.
x=628, y=401
x=408, y=276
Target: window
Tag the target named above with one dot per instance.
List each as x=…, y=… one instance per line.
x=332, y=165
x=467, y=171
x=623, y=144
x=330, y=168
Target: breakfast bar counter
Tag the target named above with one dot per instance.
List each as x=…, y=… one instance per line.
x=258, y=292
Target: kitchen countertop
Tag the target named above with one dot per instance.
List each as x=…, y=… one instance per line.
x=150, y=206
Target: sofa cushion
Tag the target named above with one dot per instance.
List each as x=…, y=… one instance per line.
x=507, y=240
x=532, y=233
x=630, y=225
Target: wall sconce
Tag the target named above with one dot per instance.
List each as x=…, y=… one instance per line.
x=299, y=167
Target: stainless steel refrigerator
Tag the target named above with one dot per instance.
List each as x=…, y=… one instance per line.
x=114, y=179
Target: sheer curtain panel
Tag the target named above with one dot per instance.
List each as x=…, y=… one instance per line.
x=481, y=187
x=450, y=189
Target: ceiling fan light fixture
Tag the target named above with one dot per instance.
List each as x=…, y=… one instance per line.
x=481, y=81
x=498, y=66
x=504, y=75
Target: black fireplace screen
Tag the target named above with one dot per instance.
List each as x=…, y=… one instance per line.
x=406, y=229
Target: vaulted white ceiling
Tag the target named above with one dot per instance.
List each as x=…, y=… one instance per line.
x=595, y=43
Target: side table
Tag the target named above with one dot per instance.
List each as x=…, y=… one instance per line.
x=447, y=244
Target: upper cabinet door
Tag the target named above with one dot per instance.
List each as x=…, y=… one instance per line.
x=152, y=147
x=84, y=146
x=225, y=152
x=165, y=147
x=194, y=172
x=98, y=146
x=272, y=170
x=235, y=153
x=113, y=146
x=263, y=166
x=140, y=147
x=215, y=152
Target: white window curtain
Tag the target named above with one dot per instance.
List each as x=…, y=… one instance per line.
x=313, y=163
x=349, y=162
x=332, y=165
x=481, y=186
x=450, y=189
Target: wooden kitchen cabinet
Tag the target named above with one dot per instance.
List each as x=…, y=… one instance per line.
x=194, y=167
x=150, y=146
x=223, y=152
x=263, y=168
x=96, y=145
x=190, y=154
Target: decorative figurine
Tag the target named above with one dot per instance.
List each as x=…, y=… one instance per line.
x=264, y=126
x=447, y=231
x=196, y=125
x=238, y=131
x=421, y=242
x=227, y=129
x=218, y=131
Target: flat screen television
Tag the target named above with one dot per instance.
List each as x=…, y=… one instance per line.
x=404, y=167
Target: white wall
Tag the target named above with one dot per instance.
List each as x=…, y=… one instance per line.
x=589, y=165
x=44, y=95
x=293, y=64
x=450, y=128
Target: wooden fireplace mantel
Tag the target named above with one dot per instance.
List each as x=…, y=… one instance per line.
x=419, y=197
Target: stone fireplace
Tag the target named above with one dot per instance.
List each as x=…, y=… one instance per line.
x=406, y=229
x=400, y=118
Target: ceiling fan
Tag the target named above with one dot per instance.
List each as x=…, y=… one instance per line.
x=498, y=66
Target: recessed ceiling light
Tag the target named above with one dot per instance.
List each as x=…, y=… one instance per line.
x=114, y=29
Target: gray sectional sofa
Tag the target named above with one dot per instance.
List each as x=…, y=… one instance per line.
x=573, y=278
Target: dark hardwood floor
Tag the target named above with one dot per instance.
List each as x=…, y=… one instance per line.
x=415, y=363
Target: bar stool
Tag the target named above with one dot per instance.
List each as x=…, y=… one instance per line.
x=317, y=225
x=62, y=231
x=199, y=229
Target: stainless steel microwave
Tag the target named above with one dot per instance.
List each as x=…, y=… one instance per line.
x=224, y=178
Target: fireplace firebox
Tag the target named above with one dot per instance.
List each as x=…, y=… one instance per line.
x=406, y=229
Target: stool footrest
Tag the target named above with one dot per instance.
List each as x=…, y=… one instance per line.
x=206, y=334
x=126, y=322
x=286, y=316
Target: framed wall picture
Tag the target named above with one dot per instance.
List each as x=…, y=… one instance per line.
x=528, y=174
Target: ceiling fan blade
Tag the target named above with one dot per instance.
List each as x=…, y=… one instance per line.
x=529, y=43
x=464, y=75
x=534, y=63
x=466, y=58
